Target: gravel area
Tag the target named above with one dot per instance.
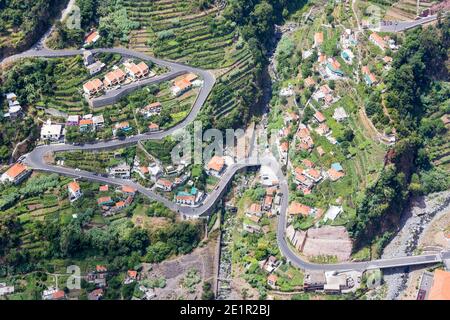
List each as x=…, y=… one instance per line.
x=413, y=222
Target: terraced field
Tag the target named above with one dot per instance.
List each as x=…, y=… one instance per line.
x=180, y=30
x=70, y=74
x=229, y=86
x=403, y=9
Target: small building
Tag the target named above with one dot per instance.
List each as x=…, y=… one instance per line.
x=164, y=185
x=339, y=114
x=128, y=190
x=296, y=208
x=332, y=213
x=104, y=188
x=98, y=121
x=122, y=171
x=88, y=58
x=131, y=277
x=73, y=121
x=318, y=39
x=255, y=209
x=152, y=109
x=96, y=294
x=440, y=289
x=216, y=166
x=5, y=290
x=51, y=132
x=91, y=37
x=180, y=86
x=86, y=125
x=15, y=174
x=93, y=87
x=268, y=201
x=74, y=191
x=104, y=201
x=153, y=127
x=376, y=39
x=114, y=77
x=184, y=198
x=53, y=294
x=136, y=71
x=124, y=126
x=95, y=67
x=314, y=280
x=313, y=174
x=272, y=280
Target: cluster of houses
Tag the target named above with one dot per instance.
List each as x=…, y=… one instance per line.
x=324, y=94
x=184, y=84
x=110, y=207
x=92, y=37
x=14, y=108
x=269, y=206
x=329, y=67
x=86, y=123
x=116, y=77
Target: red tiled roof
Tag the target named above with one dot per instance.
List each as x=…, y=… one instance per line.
x=16, y=170
x=298, y=208
x=216, y=163
x=74, y=186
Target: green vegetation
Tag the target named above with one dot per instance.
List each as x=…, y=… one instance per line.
x=415, y=94
x=53, y=83
x=41, y=230
x=22, y=22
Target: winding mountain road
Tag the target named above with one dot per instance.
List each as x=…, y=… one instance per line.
x=36, y=160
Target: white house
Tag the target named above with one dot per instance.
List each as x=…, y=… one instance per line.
x=74, y=191
x=122, y=171
x=52, y=132
x=15, y=174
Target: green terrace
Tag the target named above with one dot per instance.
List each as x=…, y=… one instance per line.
x=180, y=30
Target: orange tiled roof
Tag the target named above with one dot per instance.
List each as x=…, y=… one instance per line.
x=128, y=189
x=298, y=208
x=153, y=125
x=74, y=186
x=16, y=170
x=91, y=36
x=440, y=289
x=255, y=208
x=86, y=122
x=182, y=84
x=216, y=163
x=318, y=38
x=132, y=274
x=191, y=77
x=104, y=188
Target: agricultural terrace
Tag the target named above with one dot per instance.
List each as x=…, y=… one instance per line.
x=46, y=232
x=392, y=10
x=187, y=31
x=96, y=161
x=54, y=83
